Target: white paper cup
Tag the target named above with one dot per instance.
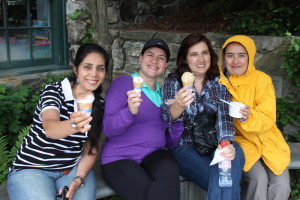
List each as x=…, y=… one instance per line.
x=234, y=109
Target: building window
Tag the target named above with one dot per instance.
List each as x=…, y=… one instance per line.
x=32, y=33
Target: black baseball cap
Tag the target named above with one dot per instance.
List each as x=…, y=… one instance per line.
x=155, y=42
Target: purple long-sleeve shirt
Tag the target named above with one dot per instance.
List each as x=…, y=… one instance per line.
x=133, y=136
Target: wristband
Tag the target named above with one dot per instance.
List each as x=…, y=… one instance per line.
x=81, y=179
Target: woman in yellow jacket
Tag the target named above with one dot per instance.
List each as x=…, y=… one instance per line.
x=267, y=155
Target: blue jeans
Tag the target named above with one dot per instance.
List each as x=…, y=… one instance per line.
x=196, y=168
x=33, y=184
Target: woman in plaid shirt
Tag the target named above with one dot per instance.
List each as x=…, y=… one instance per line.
x=196, y=55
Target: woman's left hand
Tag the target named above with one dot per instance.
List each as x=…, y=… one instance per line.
x=73, y=187
x=228, y=153
x=245, y=113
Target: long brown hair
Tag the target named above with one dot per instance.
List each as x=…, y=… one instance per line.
x=181, y=63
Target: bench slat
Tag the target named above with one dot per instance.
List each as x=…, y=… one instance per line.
x=295, y=155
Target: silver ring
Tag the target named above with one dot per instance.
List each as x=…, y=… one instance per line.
x=73, y=124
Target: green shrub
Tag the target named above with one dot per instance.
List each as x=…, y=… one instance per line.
x=7, y=154
x=292, y=61
x=260, y=22
x=17, y=106
x=295, y=185
x=288, y=110
x=256, y=17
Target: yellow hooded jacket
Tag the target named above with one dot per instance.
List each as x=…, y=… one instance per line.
x=259, y=136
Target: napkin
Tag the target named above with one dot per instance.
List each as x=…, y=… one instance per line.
x=217, y=157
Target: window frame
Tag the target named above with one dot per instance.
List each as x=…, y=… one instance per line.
x=59, y=45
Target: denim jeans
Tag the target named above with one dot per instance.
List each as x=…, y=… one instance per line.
x=196, y=169
x=33, y=184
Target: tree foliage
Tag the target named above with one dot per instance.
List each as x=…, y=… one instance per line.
x=257, y=17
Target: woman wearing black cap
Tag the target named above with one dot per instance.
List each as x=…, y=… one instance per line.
x=134, y=162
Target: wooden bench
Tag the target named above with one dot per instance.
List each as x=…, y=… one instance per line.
x=295, y=155
x=188, y=190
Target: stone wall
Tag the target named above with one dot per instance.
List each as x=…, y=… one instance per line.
x=127, y=46
x=76, y=27
x=125, y=12
x=139, y=11
x=121, y=13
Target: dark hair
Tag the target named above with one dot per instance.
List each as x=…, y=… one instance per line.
x=181, y=63
x=98, y=107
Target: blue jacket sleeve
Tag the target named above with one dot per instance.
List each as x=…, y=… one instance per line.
x=224, y=123
x=169, y=90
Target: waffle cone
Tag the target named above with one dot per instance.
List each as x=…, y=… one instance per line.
x=190, y=84
x=137, y=84
x=85, y=106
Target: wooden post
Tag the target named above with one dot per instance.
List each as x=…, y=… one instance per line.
x=101, y=35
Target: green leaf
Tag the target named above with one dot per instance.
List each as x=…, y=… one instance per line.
x=2, y=89
x=297, y=47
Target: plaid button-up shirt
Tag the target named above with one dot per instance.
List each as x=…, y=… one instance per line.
x=208, y=100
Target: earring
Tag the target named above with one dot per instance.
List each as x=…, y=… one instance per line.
x=77, y=81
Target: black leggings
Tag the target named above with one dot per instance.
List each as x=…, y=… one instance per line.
x=156, y=178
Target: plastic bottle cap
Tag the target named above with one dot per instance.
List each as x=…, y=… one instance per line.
x=224, y=143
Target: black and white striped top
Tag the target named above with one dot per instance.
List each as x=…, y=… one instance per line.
x=38, y=151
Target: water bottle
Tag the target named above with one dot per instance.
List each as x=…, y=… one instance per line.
x=225, y=179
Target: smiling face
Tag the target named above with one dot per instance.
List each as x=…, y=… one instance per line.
x=236, y=59
x=91, y=72
x=153, y=62
x=198, y=59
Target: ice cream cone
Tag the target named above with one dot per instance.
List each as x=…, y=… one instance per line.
x=188, y=79
x=137, y=83
x=189, y=85
x=85, y=102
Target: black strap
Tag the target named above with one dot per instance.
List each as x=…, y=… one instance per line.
x=204, y=120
